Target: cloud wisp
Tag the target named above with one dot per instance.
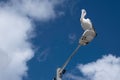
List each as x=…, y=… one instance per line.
x=43, y=55
x=72, y=38
x=16, y=27
x=106, y=68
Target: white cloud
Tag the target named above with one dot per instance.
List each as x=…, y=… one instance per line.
x=70, y=76
x=14, y=49
x=15, y=29
x=107, y=68
x=37, y=9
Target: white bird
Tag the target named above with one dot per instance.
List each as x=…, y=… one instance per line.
x=89, y=32
x=85, y=23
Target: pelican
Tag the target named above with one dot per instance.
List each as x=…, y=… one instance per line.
x=85, y=23
x=89, y=31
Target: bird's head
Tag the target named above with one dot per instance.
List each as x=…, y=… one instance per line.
x=83, y=14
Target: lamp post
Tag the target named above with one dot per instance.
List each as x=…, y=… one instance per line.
x=88, y=35
x=61, y=71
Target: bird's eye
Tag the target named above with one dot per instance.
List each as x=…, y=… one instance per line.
x=84, y=11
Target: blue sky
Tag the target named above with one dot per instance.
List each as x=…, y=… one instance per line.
x=55, y=37
x=56, y=33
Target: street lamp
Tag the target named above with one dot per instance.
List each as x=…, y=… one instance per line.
x=88, y=35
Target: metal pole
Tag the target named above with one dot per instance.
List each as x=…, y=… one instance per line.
x=60, y=71
x=68, y=60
